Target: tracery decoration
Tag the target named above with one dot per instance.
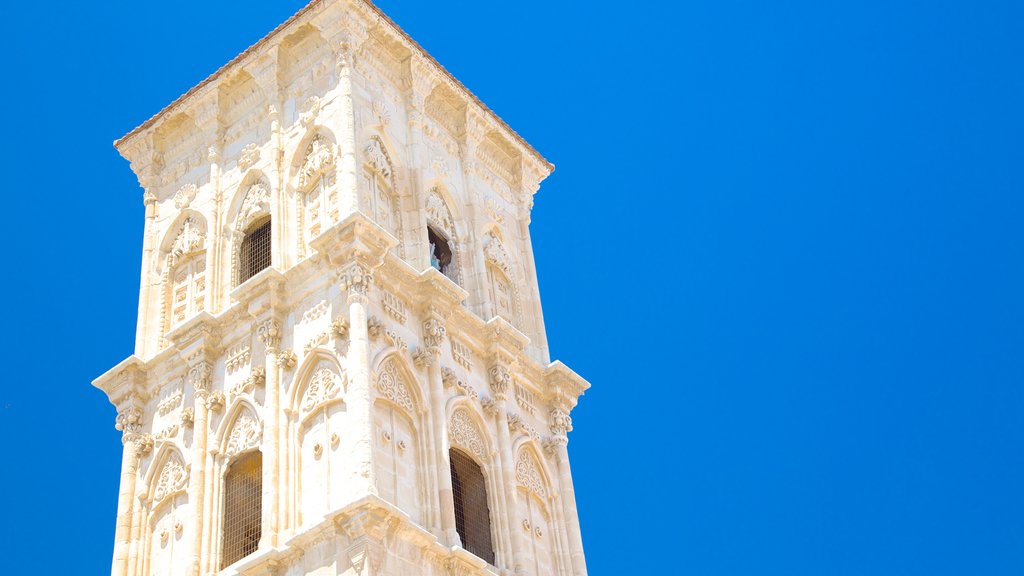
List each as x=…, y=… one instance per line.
x=464, y=433
x=392, y=386
x=323, y=387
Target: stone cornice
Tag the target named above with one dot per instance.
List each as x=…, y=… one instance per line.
x=185, y=103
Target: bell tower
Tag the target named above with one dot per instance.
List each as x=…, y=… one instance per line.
x=341, y=364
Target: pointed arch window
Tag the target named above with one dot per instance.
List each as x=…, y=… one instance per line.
x=254, y=253
x=472, y=514
x=242, y=514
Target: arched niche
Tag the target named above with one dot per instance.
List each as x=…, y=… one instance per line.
x=400, y=448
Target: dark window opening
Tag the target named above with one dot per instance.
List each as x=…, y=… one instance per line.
x=254, y=254
x=440, y=253
x=243, y=492
x=472, y=516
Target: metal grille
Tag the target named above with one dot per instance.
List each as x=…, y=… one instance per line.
x=472, y=517
x=243, y=488
x=255, y=252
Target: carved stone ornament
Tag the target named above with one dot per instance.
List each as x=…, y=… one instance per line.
x=245, y=434
x=381, y=112
x=185, y=195
x=374, y=327
x=249, y=157
x=561, y=423
x=255, y=204
x=438, y=213
x=287, y=359
x=214, y=401
x=191, y=239
x=463, y=433
x=269, y=333
x=433, y=333
x=356, y=280
x=528, y=475
x=392, y=386
x=188, y=417
x=496, y=254
x=129, y=420
x=422, y=358
x=451, y=380
x=490, y=406
x=143, y=443
x=199, y=376
x=500, y=380
x=325, y=385
x=310, y=110
x=377, y=158
x=319, y=159
x=173, y=478
x=340, y=327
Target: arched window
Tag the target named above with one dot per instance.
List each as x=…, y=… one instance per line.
x=441, y=255
x=472, y=516
x=243, y=490
x=254, y=253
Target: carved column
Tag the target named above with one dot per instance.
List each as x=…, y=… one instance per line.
x=269, y=333
x=501, y=383
x=134, y=446
x=561, y=424
x=434, y=333
x=355, y=280
x=200, y=376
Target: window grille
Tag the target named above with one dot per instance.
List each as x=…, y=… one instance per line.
x=243, y=490
x=472, y=516
x=441, y=254
x=254, y=255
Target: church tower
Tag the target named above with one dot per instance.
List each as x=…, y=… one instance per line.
x=340, y=362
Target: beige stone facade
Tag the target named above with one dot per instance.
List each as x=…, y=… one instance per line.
x=338, y=299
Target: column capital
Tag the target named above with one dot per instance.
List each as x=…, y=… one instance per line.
x=200, y=375
x=269, y=333
x=500, y=379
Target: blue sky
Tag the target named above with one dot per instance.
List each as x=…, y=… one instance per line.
x=782, y=241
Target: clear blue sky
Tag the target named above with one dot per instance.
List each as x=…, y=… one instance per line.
x=783, y=242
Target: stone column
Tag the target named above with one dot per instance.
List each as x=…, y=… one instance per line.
x=355, y=279
x=348, y=166
x=200, y=378
x=501, y=383
x=561, y=424
x=149, y=247
x=434, y=333
x=270, y=334
x=134, y=445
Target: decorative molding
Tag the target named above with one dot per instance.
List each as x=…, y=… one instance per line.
x=237, y=357
x=439, y=214
x=394, y=306
x=462, y=354
x=451, y=380
x=525, y=399
x=495, y=253
x=191, y=239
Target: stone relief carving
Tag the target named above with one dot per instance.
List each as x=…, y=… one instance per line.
x=320, y=158
x=173, y=477
x=191, y=238
x=237, y=357
x=438, y=212
x=325, y=385
x=377, y=157
x=185, y=195
x=528, y=476
x=249, y=156
x=245, y=434
x=393, y=387
x=495, y=253
x=464, y=433
x=129, y=420
x=255, y=204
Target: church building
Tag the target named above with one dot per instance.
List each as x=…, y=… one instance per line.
x=340, y=365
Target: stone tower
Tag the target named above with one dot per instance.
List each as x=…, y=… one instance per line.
x=340, y=362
